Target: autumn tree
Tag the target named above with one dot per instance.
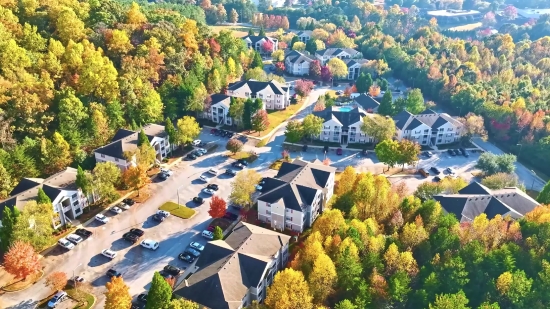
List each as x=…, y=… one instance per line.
x=182, y=303
x=188, y=129
x=218, y=233
x=56, y=154
x=260, y=121
x=56, y=281
x=472, y=125
x=447, y=301
x=117, y=295
x=338, y=68
x=303, y=87
x=299, y=46
x=338, y=39
x=326, y=74
x=160, y=293
x=378, y=127
x=234, y=145
x=278, y=55
x=387, y=152
x=233, y=16
x=34, y=225
x=135, y=177
x=347, y=180
x=218, y=207
x=408, y=152
x=374, y=90
x=315, y=69
x=544, y=195
x=319, y=106
x=322, y=278
x=243, y=186
x=21, y=260
x=312, y=125
x=267, y=47
x=500, y=181
x=105, y=177
x=289, y=291
x=427, y=190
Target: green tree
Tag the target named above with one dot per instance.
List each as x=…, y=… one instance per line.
x=500, y=181
x=105, y=176
x=56, y=154
x=295, y=39
x=218, y=233
x=427, y=190
x=35, y=225
x=257, y=61
x=247, y=114
x=160, y=293
x=311, y=46
x=408, y=152
x=294, y=132
x=72, y=115
x=182, y=303
x=387, y=152
x=6, y=183
x=544, y=195
x=188, y=129
x=386, y=107
x=345, y=304
x=9, y=220
x=83, y=181
x=399, y=287
x=312, y=125
x=171, y=132
x=491, y=163
x=42, y=198
x=415, y=102
x=378, y=127
x=451, y=301
x=236, y=110
x=142, y=138
x=262, y=32
x=243, y=187
x=364, y=82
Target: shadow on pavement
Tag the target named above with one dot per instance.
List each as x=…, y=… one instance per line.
x=98, y=260
x=28, y=304
x=150, y=223
x=121, y=244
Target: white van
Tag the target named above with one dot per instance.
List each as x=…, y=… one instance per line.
x=208, y=235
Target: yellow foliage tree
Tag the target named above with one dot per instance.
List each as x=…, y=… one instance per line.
x=289, y=291
x=329, y=223
x=322, y=278
x=134, y=16
x=117, y=295
x=413, y=233
x=347, y=181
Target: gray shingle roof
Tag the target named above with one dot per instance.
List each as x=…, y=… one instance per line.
x=428, y=117
x=220, y=97
x=345, y=118
x=413, y=124
x=254, y=38
x=256, y=86
x=352, y=62
x=329, y=52
x=228, y=268
x=298, y=57
x=401, y=119
x=366, y=101
x=126, y=140
x=476, y=199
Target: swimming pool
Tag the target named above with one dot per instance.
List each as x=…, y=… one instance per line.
x=345, y=109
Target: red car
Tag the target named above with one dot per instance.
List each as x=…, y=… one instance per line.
x=339, y=151
x=213, y=131
x=211, y=228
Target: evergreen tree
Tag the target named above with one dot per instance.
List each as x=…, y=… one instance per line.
x=311, y=46
x=311, y=25
x=133, y=125
x=251, y=32
x=218, y=233
x=247, y=114
x=262, y=32
x=295, y=39
x=257, y=61
x=544, y=195
x=159, y=294
x=171, y=131
x=257, y=105
x=363, y=83
x=386, y=105
x=9, y=219
x=142, y=138
x=82, y=181
x=42, y=198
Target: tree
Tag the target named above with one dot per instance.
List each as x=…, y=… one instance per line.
x=135, y=177
x=378, y=127
x=160, y=293
x=415, y=102
x=260, y=121
x=171, y=132
x=311, y=46
x=243, y=186
x=21, y=260
x=319, y=106
x=257, y=61
x=294, y=132
x=221, y=13
x=218, y=233
x=233, y=16
x=289, y=291
x=56, y=281
x=182, y=303
x=326, y=74
x=374, y=90
x=303, y=87
x=320, y=34
x=218, y=207
x=34, y=225
x=500, y=181
x=236, y=110
x=295, y=39
x=514, y=286
x=247, y=114
x=408, y=152
x=312, y=125
x=267, y=47
x=543, y=197
x=491, y=164
x=6, y=183
x=364, y=82
x=83, y=181
x=450, y=301
x=387, y=152
x=299, y=46
x=338, y=39
x=345, y=304
x=118, y=295
x=142, y=138
x=472, y=125
x=386, y=105
x=234, y=145
x=315, y=69
x=338, y=68
x=278, y=55
x=42, y=198
x=144, y=155
x=188, y=130
x=262, y=32
x=426, y=190
x=105, y=176
x=56, y=154
x=285, y=24
x=322, y=278
x=9, y=220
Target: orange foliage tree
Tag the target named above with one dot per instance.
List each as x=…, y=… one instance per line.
x=135, y=177
x=218, y=207
x=21, y=260
x=374, y=90
x=56, y=281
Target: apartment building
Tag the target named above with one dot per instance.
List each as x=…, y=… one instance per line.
x=125, y=141
x=428, y=128
x=256, y=43
x=219, y=109
x=236, y=271
x=297, y=63
x=342, y=124
x=68, y=200
x=476, y=199
x=273, y=94
x=341, y=53
x=296, y=195
x=354, y=67
x=304, y=35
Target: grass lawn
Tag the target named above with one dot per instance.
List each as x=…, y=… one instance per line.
x=178, y=210
x=238, y=31
x=249, y=157
x=18, y=285
x=276, y=165
x=86, y=300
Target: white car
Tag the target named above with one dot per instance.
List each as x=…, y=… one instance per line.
x=450, y=170
x=213, y=171
x=75, y=239
x=207, y=234
x=150, y=244
x=259, y=188
x=109, y=253
x=123, y=206
x=201, y=150
x=116, y=210
x=196, y=142
x=65, y=244
x=166, y=171
x=101, y=218
x=208, y=191
x=195, y=245
x=204, y=178
x=163, y=213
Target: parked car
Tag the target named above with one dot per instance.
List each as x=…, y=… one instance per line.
x=163, y=213
x=198, y=153
x=198, y=200
x=142, y=297
x=196, y=142
x=204, y=178
x=208, y=191
x=57, y=299
x=131, y=237
x=128, y=201
x=450, y=170
x=435, y=170
x=195, y=245
x=163, y=176
x=230, y=172
x=423, y=172
x=137, y=232
x=213, y=131
x=166, y=171
x=230, y=216
x=437, y=179
x=109, y=253
x=76, y=280
x=339, y=151
x=191, y=156
x=116, y=210
x=213, y=171
x=65, y=244
x=150, y=244
x=237, y=165
x=213, y=186
x=75, y=239
x=210, y=228
x=159, y=218
x=101, y=218
x=186, y=257
x=172, y=270
x=113, y=273
x=207, y=235
x=192, y=252
x=243, y=162
x=451, y=152
x=83, y=233
x=201, y=150
x=123, y=205
x=429, y=154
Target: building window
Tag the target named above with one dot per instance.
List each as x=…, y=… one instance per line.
x=449, y=129
x=268, y=212
x=426, y=131
x=74, y=196
x=102, y=155
x=116, y=159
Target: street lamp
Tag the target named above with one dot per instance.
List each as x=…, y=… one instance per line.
x=519, y=152
x=74, y=278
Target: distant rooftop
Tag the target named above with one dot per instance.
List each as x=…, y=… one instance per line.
x=532, y=13
x=451, y=13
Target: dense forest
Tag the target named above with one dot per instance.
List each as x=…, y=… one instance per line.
x=377, y=248
x=73, y=72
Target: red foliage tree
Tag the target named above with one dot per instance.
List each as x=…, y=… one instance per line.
x=303, y=87
x=260, y=121
x=215, y=47
x=283, y=45
x=21, y=260
x=279, y=67
x=315, y=69
x=267, y=47
x=56, y=281
x=218, y=207
x=326, y=74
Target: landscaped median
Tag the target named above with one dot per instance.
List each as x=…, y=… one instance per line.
x=178, y=210
x=19, y=285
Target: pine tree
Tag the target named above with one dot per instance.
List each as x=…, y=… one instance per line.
x=386, y=105
x=262, y=32
x=159, y=294
x=82, y=181
x=251, y=32
x=9, y=218
x=257, y=61
x=311, y=46
x=142, y=138
x=171, y=131
x=42, y=198
x=218, y=233
x=295, y=39
x=247, y=114
x=544, y=195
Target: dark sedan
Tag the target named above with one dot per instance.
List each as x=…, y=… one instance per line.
x=213, y=186
x=131, y=237
x=83, y=233
x=186, y=257
x=198, y=200
x=435, y=170
x=128, y=201
x=192, y=252
x=137, y=232
x=113, y=273
x=191, y=156
x=243, y=162
x=172, y=270
x=230, y=172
